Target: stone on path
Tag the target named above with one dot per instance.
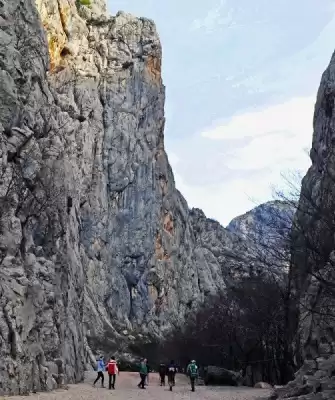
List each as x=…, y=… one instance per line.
x=262, y=385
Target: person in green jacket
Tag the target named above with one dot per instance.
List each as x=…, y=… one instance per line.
x=192, y=372
x=143, y=373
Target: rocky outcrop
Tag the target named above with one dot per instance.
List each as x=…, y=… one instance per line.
x=313, y=257
x=262, y=385
x=97, y=247
x=222, y=376
x=266, y=234
x=266, y=222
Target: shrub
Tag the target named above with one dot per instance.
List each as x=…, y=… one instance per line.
x=86, y=3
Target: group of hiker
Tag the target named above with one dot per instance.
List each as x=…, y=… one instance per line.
x=168, y=371
x=171, y=370
x=112, y=370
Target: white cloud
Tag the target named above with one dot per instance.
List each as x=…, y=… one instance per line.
x=276, y=139
x=225, y=201
x=272, y=150
x=214, y=17
x=293, y=116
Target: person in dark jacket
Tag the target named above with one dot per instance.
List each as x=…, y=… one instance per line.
x=171, y=373
x=143, y=373
x=192, y=372
x=162, y=373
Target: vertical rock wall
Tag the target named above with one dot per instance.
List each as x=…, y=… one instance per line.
x=96, y=242
x=97, y=247
x=313, y=256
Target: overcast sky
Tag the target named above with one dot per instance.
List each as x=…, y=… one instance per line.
x=241, y=79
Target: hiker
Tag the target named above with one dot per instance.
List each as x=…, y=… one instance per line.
x=171, y=371
x=112, y=369
x=192, y=372
x=143, y=373
x=162, y=373
x=100, y=369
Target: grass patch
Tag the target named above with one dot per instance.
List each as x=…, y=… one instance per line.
x=86, y=3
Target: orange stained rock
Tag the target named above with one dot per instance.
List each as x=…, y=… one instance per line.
x=161, y=253
x=56, y=45
x=56, y=27
x=154, y=68
x=168, y=223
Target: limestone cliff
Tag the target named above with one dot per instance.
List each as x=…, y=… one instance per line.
x=313, y=257
x=97, y=245
x=266, y=231
x=265, y=221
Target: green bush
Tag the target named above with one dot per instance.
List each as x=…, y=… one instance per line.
x=85, y=2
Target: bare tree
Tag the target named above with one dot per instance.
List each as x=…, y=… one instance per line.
x=254, y=324
x=243, y=327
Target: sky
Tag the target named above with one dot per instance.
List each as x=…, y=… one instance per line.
x=241, y=79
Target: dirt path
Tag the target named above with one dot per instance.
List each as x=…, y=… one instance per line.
x=126, y=389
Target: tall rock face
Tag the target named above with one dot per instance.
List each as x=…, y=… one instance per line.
x=266, y=232
x=97, y=247
x=314, y=254
x=264, y=221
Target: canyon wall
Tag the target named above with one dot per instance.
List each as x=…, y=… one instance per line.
x=313, y=257
x=98, y=248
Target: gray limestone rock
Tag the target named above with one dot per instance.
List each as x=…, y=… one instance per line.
x=95, y=240
x=223, y=376
x=313, y=257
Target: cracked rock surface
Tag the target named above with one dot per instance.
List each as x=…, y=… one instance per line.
x=313, y=258
x=97, y=246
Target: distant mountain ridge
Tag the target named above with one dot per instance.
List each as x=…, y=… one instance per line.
x=266, y=214
x=266, y=231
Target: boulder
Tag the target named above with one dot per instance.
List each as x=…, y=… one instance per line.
x=263, y=385
x=221, y=376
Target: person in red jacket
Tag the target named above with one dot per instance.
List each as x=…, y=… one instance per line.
x=112, y=370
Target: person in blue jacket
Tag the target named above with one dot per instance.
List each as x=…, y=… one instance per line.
x=101, y=367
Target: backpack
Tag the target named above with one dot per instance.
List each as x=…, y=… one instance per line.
x=193, y=370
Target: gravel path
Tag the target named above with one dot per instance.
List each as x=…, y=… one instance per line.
x=126, y=389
